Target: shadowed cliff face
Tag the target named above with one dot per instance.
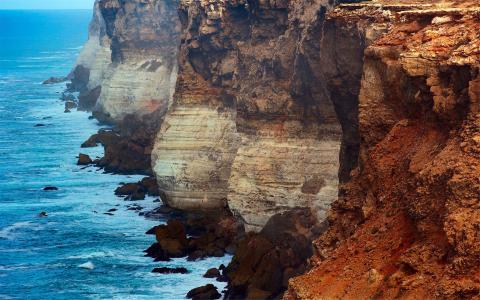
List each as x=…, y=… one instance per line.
x=254, y=124
x=406, y=225
x=130, y=57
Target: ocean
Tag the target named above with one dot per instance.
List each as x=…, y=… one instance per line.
x=40, y=258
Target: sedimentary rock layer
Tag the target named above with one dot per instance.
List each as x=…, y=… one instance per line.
x=404, y=226
x=254, y=124
x=130, y=58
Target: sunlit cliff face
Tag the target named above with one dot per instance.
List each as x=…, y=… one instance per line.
x=264, y=116
x=131, y=56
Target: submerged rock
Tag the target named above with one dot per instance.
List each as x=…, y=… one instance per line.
x=205, y=292
x=50, y=188
x=54, y=80
x=165, y=270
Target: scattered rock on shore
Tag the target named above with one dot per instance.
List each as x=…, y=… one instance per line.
x=205, y=292
x=210, y=235
x=212, y=273
x=84, y=160
x=138, y=191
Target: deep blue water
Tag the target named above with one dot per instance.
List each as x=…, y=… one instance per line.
x=40, y=257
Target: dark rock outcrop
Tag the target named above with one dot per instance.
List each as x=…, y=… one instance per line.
x=212, y=273
x=54, y=80
x=265, y=261
x=206, y=292
x=213, y=234
x=50, y=188
x=138, y=191
x=84, y=160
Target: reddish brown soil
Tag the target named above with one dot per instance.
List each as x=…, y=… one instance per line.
x=407, y=225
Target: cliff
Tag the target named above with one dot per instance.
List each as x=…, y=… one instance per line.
x=128, y=66
x=366, y=114
x=405, y=225
x=253, y=123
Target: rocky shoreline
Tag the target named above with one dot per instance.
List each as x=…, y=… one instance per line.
x=262, y=262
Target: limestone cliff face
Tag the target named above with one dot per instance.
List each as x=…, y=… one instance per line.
x=131, y=57
x=254, y=124
x=94, y=58
x=406, y=225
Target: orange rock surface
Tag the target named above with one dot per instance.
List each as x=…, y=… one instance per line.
x=407, y=225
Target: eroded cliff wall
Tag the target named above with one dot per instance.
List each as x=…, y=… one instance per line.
x=406, y=226
x=130, y=60
x=254, y=124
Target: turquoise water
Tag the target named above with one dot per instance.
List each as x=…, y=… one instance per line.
x=40, y=257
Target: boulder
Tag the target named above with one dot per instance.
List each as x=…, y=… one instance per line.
x=205, y=292
x=128, y=189
x=265, y=261
x=212, y=273
x=84, y=160
x=155, y=251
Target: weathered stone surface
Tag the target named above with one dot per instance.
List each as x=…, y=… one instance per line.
x=84, y=160
x=206, y=292
x=128, y=65
x=254, y=122
x=403, y=227
x=265, y=261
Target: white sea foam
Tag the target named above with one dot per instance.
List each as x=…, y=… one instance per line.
x=88, y=265
x=8, y=232
x=93, y=255
x=13, y=268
